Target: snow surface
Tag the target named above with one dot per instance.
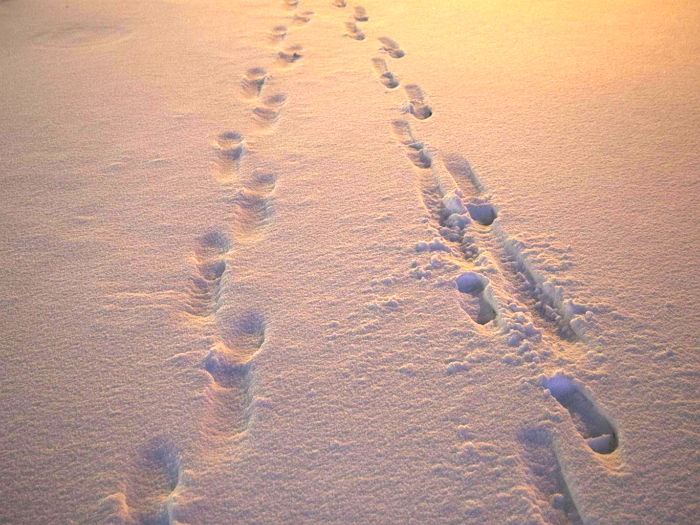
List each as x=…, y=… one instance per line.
x=269, y=261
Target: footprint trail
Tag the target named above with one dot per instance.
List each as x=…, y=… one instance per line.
x=269, y=110
x=302, y=18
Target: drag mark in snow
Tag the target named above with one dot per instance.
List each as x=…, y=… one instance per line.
x=153, y=478
x=390, y=47
x=553, y=497
x=570, y=321
x=418, y=105
x=386, y=77
x=593, y=426
x=72, y=36
x=209, y=268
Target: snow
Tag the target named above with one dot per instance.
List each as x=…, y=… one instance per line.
x=317, y=261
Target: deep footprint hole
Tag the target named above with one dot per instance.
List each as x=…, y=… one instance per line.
x=246, y=331
x=483, y=213
x=231, y=145
x=599, y=433
x=159, y=457
x=264, y=179
x=213, y=242
x=486, y=312
x=213, y=270
x=471, y=283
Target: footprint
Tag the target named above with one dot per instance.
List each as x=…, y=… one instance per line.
x=547, y=477
x=418, y=105
x=402, y=129
x=302, y=18
x=291, y=4
x=461, y=170
x=265, y=116
x=391, y=47
x=253, y=81
x=154, y=477
x=269, y=111
x=229, y=361
x=479, y=303
x=593, y=426
x=449, y=215
x=360, y=14
x=482, y=211
x=340, y=3
x=230, y=148
x=353, y=31
x=230, y=145
x=275, y=101
x=278, y=33
x=432, y=199
x=251, y=213
x=289, y=55
x=211, y=245
x=415, y=150
x=386, y=77
x=262, y=181
x=209, y=268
